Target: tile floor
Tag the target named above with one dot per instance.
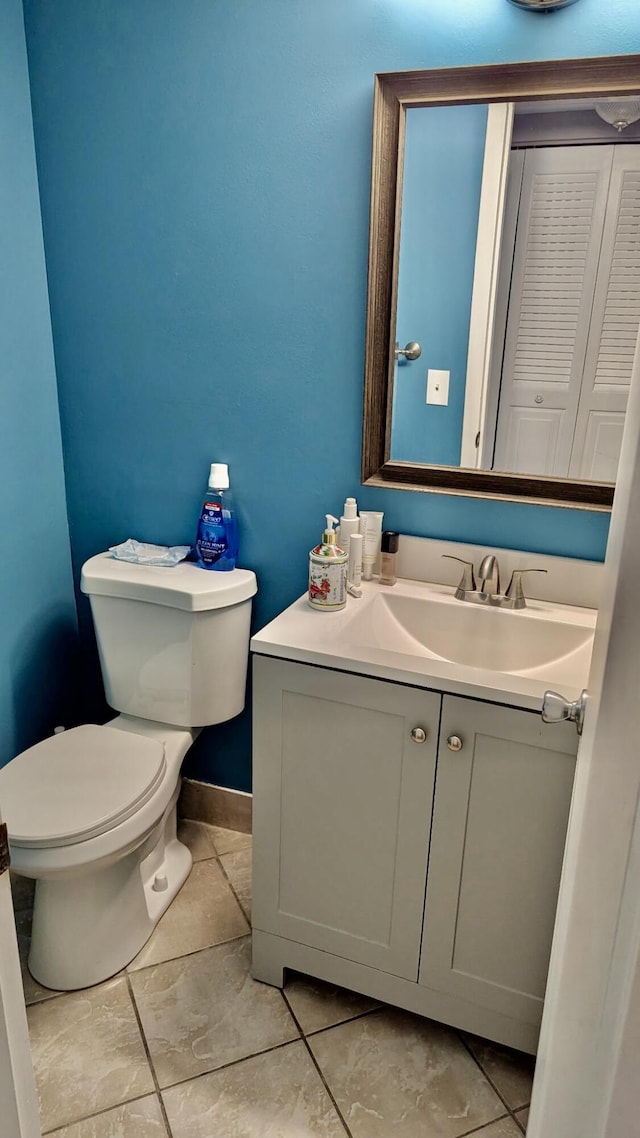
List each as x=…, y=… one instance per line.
x=184, y=1044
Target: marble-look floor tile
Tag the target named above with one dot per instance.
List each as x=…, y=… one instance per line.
x=140, y=1119
x=33, y=991
x=205, y=1011
x=205, y=912
x=198, y=838
x=88, y=1054
x=523, y=1118
x=22, y=890
x=394, y=1075
x=317, y=1005
x=229, y=841
x=511, y=1072
x=277, y=1095
x=237, y=867
x=503, y=1128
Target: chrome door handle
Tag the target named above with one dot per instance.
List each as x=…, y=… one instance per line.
x=411, y=351
x=418, y=734
x=557, y=709
x=454, y=743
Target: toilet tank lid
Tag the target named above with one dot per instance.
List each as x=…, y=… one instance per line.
x=182, y=586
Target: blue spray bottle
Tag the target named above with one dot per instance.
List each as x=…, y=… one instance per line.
x=217, y=541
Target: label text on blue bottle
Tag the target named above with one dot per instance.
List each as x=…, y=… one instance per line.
x=217, y=541
x=212, y=537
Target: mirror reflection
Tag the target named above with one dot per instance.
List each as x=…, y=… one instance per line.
x=519, y=276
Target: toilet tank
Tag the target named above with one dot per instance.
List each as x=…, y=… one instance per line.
x=174, y=641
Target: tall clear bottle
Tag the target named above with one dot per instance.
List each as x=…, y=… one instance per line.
x=217, y=540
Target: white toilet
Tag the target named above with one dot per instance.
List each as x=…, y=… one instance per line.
x=91, y=812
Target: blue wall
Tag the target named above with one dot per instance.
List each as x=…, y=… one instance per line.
x=443, y=159
x=37, y=609
x=205, y=191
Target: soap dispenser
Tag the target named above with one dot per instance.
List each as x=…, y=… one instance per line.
x=328, y=572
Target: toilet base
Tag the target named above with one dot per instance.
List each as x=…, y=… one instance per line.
x=86, y=927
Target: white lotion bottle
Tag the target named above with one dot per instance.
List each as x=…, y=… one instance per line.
x=349, y=523
x=354, y=568
x=371, y=530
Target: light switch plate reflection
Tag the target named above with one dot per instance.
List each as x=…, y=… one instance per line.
x=438, y=387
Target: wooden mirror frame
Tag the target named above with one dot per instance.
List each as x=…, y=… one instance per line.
x=394, y=93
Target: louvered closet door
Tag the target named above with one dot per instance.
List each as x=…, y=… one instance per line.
x=614, y=328
x=560, y=225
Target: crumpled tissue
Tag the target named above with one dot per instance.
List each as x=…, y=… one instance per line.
x=143, y=553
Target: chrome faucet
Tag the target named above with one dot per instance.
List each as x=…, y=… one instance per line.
x=489, y=591
x=489, y=574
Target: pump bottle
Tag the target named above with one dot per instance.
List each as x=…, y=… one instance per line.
x=328, y=572
x=349, y=523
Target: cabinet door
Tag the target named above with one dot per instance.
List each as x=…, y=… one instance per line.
x=500, y=817
x=342, y=811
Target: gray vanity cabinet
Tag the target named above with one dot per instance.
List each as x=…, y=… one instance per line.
x=342, y=812
x=501, y=809
x=441, y=902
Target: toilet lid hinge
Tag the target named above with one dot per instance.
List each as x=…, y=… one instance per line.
x=5, y=856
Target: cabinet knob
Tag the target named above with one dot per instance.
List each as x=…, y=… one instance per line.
x=418, y=734
x=454, y=743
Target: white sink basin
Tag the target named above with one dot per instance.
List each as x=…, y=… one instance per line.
x=417, y=633
x=474, y=636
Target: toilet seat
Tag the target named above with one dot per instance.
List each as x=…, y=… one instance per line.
x=78, y=784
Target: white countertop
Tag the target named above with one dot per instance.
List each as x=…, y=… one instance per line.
x=365, y=638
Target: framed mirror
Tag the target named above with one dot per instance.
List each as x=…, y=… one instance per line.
x=505, y=241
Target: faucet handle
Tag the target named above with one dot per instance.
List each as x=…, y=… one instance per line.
x=468, y=580
x=515, y=592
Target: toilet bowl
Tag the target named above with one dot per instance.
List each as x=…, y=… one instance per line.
x=91, y=812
